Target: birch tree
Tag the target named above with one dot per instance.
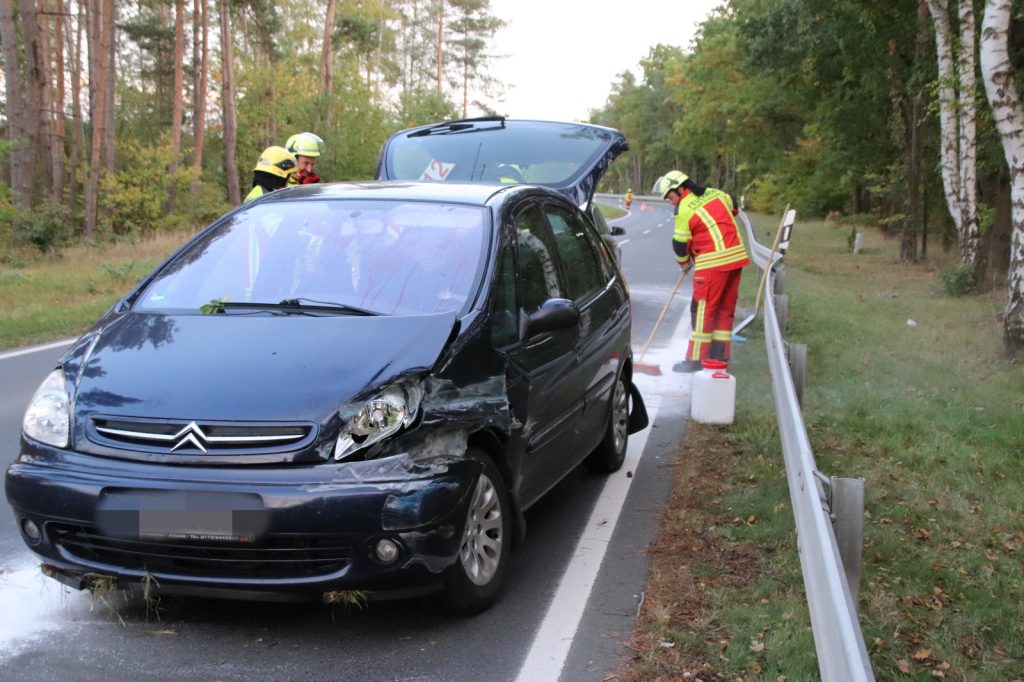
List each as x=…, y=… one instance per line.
x=998, y=76
x=957, y=86
x=200, y=52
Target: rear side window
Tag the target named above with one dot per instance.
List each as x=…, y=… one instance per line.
x=538, y=263
x=582, y=268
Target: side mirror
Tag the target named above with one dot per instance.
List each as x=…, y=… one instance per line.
x=553, y=314
x=618, y=231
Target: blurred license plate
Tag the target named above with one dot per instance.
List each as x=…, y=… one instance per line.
x=182, y=515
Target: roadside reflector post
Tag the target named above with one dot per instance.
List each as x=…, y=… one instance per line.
x=847, y=510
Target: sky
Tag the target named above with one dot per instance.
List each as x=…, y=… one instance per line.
x=562, y=56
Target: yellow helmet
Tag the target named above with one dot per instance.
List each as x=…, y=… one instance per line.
x=668, y=182
x=305, y=144
x=276, y=161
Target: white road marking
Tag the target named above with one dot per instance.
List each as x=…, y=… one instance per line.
x=623, y=242
x=34, y=349
x=647, y=231
x=551, y=644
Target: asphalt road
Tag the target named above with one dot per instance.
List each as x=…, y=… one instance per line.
x=48, y=632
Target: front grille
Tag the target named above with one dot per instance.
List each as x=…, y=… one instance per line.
x=278, y=555
x=176, y=436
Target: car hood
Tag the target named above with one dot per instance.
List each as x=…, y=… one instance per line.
x=243, y=367
x=567, y=157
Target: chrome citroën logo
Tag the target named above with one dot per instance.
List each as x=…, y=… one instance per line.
x=190, y=435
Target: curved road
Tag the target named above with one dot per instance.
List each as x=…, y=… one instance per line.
x=571, y=595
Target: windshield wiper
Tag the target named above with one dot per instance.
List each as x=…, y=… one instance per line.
x=299, y=306
x=459, y=126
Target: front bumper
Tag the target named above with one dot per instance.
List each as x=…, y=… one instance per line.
x=300, y=530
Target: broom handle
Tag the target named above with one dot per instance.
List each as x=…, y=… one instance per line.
x=775, y=245
x=662, y=316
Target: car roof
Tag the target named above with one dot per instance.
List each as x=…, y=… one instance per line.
x=462, y=193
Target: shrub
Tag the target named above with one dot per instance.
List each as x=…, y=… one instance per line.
x=958, y=280
x=46, y=227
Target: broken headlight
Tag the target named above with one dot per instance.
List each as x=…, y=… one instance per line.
x=48, y=417
x=391, y=410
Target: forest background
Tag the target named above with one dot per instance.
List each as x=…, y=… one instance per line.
x=128, y=118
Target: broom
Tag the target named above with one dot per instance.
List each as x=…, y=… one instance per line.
x=655, y=370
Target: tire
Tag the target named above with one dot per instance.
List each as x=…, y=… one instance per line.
x=473, y=583
x=610, y=453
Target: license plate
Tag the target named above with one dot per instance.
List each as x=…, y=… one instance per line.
x=182, y=515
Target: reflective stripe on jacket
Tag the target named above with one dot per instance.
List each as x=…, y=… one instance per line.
x=705, y=228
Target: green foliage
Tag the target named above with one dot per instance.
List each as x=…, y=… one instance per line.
x=213, y=307
x=46, y=227
x=958, y=280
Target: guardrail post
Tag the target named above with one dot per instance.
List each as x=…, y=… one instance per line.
x=796, y=354
x=848, y=522
x=779, y=283
x=782, y=311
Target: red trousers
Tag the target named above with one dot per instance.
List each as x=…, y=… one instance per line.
x=711, y=313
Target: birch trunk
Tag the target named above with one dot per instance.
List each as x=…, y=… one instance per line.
x=997, y=73
x=440, y=46
x=227, y=96
x=200, y=56
x=947, y=111
x=971, y=253
x=109, y=127
x=176, y=110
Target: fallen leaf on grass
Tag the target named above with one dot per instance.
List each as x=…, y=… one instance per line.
x=757, y=647
x=922, y=533
x=921, y=654
x=904, y=666
x=160, y=633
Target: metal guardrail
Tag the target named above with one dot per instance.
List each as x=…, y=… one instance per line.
x=838, y=639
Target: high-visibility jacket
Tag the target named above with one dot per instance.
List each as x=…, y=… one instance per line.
x=255, y=193
x=706, y=230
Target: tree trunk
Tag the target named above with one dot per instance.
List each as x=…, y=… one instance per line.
x=327, y=65
x=227, y=98
x=908, y=244
x=200, y=55
x=101, y=17
x=59, y=127
x=176, y=111
x=947, y=112
x=440, y=46
x=998, y=75
x=21, y=179
x=972, y=255
x=77, y=126
x=109, y=123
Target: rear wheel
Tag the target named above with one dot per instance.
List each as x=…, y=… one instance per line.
x=473, y=582
x=611, y=451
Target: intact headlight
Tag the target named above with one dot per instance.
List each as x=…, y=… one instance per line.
x=388, y=412
x=48, y=417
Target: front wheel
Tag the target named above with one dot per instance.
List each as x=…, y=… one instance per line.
x=610, y=453
x=474, y=581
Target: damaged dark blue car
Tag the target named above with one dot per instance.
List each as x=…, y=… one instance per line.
x=343, y=387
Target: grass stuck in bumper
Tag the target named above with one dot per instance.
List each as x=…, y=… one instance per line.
x=906, y=387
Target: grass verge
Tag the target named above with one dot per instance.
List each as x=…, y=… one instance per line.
x=906, y=387
x=610, y=212
x=48, y=297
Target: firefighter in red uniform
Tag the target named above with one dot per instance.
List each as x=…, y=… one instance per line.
x=706, y=234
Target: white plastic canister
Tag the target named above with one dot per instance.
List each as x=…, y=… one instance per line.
x=713, y=400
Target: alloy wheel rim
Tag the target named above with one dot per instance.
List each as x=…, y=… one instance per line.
x=620, y=416
x=482, y=540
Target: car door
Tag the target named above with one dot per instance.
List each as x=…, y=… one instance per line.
x=542, y=379
x=603, y=318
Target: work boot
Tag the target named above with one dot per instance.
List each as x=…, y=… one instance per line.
x=687, y=366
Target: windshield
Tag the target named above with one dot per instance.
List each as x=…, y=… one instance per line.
x=387, y=257
x=551, y=154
